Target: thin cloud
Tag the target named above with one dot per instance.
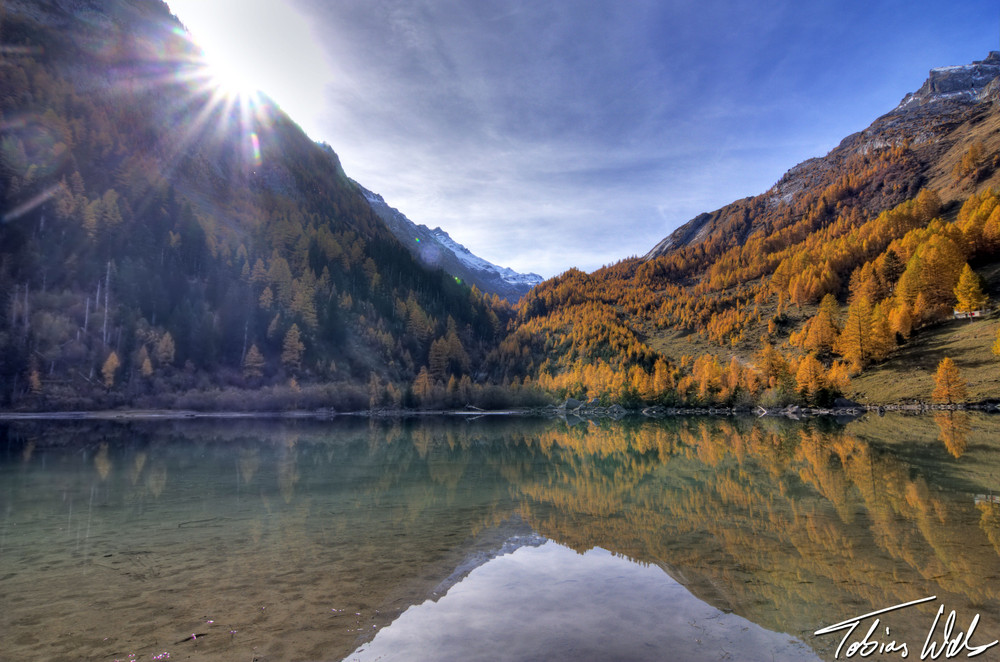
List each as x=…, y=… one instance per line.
x=558, y=134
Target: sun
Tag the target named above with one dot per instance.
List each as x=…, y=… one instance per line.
x=261, y=51
x=229, y=75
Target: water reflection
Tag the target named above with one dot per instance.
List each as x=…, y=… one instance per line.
x=591, y=606
x=954, y=429
x=303, y=540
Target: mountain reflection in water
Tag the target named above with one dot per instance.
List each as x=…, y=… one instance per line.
x=552, y=603
x=303, y=540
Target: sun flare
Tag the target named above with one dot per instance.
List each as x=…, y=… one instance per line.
x=229, y=76
x=260, y=48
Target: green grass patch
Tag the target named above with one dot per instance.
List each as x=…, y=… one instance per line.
x=909, y=373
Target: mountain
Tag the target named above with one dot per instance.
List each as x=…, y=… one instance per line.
x=163, y=244
x=436, y=249
x=931, y=123
x=810, y=290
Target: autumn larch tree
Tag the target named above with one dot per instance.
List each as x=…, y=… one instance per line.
x=34, y=382
x=109, y=369
x=822, y=328
x=376, y=393
x=292, y=348
x=423, y=387
x=810, y=378
x=253, y=363
x=969, y=291
x=854, y=342
x=949, y=387
x=882, y=337
x=165, y=350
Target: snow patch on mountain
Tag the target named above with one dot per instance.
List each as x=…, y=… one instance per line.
x=435, y=248
x=964, y=82
x=473, y=261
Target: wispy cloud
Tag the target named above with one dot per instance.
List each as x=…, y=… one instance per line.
x=558, y=134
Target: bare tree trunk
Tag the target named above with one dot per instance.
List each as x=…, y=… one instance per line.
x=107, y=288
x=243, y=355
x=13, y=306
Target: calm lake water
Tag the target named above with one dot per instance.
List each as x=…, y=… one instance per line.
x=498, y=539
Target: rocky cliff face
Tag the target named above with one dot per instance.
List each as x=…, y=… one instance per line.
x=436, y=249
x=967, y=82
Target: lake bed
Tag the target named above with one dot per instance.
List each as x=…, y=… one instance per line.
x=497, y=538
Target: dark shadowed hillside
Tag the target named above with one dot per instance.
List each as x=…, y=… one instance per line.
x=159, y=237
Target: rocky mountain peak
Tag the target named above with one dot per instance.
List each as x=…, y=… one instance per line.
x=924, y=122
x=965, y=82
x=436, y=249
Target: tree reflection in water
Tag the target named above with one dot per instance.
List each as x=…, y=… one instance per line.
x=304, y=536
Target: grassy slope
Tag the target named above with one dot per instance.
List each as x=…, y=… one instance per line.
x=909, y=373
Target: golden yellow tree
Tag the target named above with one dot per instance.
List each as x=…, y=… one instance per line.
x=838, y=378
x=34, y=382
x=266, y=299
x=821, y=329
x=854, y=342
x=165, y=349
x=145, y=364
x=883, y=340
x=375, y=391
x=772, y=365
x=109, y=369
x=292, y=348
x=969, y=291
x=423, y=387
x=809, y=377
x=253, y=363
x=901, y=319
x=949, y=387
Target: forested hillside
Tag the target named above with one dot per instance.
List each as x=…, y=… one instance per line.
x=166, y=244
x=161, y=238
x=788, y=295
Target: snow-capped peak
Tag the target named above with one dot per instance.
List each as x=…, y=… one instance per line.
x=436, y=249
x=479, y=264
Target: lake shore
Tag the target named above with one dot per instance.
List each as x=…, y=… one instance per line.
x=582, y=411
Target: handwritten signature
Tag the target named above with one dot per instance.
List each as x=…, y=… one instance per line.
x=949, y=642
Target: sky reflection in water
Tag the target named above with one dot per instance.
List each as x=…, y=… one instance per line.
x=308, y=540
x=551, y=603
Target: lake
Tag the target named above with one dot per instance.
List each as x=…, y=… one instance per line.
x=499, y=538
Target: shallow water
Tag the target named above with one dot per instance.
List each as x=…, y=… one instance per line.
x=511, y=539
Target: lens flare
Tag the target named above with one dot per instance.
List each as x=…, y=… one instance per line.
x=255, y=142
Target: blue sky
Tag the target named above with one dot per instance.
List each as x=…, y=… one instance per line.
x=547, y=135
